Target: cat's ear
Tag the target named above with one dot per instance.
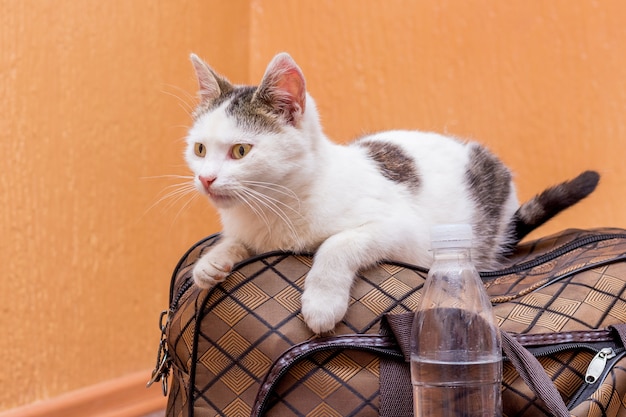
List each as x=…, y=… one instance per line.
x=283, y=88
x=210, y=85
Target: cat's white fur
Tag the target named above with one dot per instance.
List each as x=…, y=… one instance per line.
x=330, y=199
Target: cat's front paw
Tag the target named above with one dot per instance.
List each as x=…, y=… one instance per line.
x=209, y=271
x=213, y=267
x=322, y=310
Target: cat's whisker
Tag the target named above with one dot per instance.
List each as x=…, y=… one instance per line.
x=272, y=204
x=280, y=189
x=178, y=193
x=185, y=205
x=271, y=185
x=184, y=104
x=175, y=176
x=173, y=196
x=188, y=95
x=178, y=189
x=260, y=204
x=252, y=203
x=173, y=200
x=276, y=201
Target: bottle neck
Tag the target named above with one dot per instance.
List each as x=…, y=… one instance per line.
x=458, y=254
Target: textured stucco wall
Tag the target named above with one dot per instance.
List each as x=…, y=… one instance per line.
x=543, y=84
x=87, y=117
x=88, y=114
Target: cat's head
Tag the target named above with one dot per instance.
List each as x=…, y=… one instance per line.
x=247, y=143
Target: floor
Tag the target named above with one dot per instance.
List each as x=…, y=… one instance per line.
x=156, y=414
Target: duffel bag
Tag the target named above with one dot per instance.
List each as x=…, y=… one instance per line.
x=242, y=348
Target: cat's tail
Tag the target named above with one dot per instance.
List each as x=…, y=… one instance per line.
x=541, y=208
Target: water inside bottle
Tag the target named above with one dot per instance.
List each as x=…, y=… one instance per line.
x=453, y=389
x=456, y=366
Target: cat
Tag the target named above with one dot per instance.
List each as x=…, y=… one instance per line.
x=260, y=156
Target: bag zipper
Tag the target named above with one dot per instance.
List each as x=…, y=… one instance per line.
x=604, y=351
x=598, y=364
x=596, y=347
x=555, y=253
x=606, y=365
x=181, y=292
x=606, y=354
x=164, y=360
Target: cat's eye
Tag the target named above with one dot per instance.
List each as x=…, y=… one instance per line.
x=240, y=150
x=199, y=149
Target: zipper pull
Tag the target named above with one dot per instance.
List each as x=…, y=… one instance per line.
x=163, y=361
x=597, y=365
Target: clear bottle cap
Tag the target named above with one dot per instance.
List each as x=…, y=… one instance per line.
x=451, y=236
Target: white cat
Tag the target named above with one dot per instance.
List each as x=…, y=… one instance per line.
x=278, y=182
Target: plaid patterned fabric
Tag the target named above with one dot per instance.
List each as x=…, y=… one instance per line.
x=224, y=341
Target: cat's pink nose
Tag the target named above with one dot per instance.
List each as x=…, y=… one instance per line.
x=206, y=182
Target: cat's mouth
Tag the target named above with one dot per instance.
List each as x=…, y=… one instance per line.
x=219, y=198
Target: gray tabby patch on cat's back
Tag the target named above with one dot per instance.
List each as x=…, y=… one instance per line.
x=488, y=179
x=489, y=185
x=393, y=162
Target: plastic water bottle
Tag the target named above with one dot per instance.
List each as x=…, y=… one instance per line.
x=456, y=357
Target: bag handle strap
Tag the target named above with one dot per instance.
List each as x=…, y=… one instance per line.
x=383, y=346
x=534, y=375
x=620, y=330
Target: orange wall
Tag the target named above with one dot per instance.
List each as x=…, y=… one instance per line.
x=543, y=84
x=88, y=115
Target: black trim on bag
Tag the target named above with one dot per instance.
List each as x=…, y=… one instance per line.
x=388, y=350
x=546, y=257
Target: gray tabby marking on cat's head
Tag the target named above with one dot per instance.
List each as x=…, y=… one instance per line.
x=250, y=114
x=259, y=109
x=393, y=162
